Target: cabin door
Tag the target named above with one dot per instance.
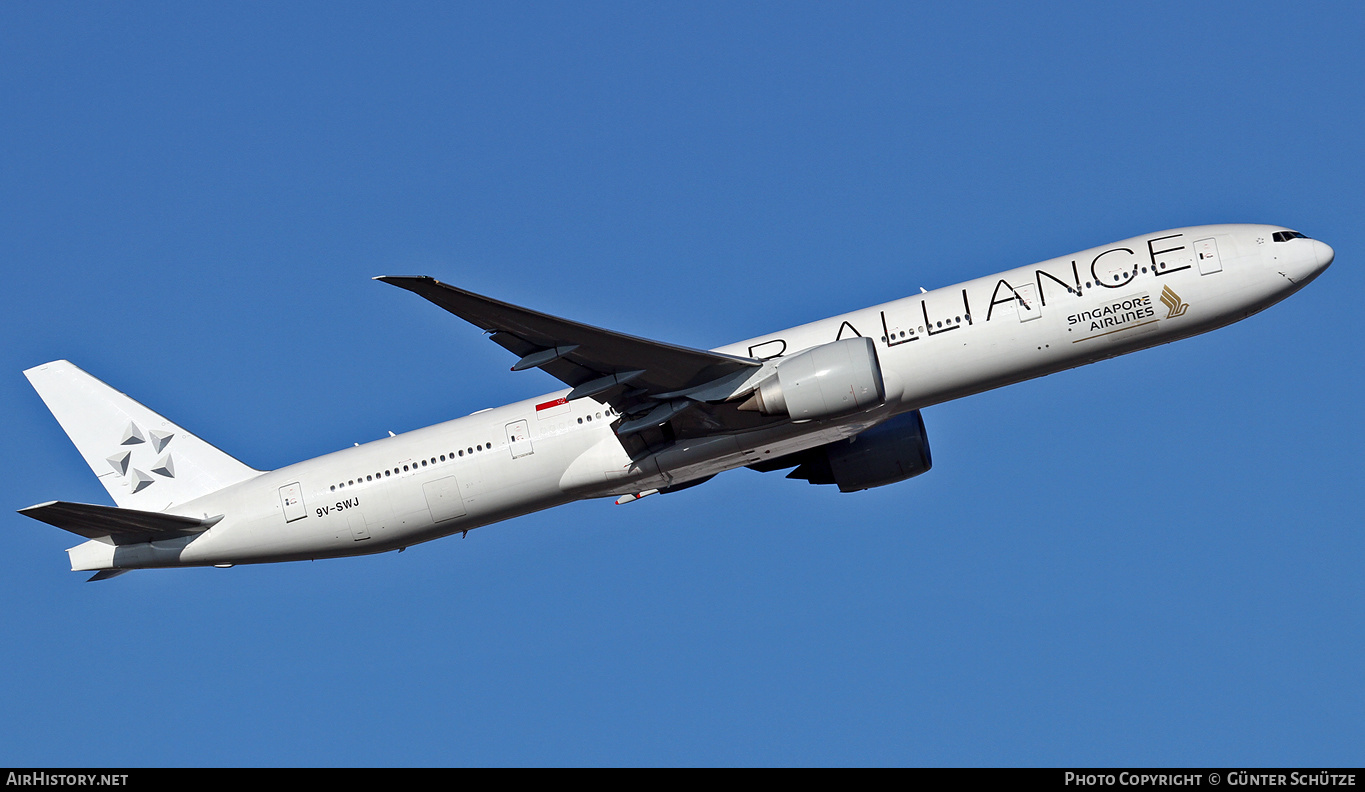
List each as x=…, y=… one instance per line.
x=519, y=438
x=291, y=499
x=1026, y=299
x=1206, y=251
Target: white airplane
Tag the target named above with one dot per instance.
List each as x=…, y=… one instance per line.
x=837, y=401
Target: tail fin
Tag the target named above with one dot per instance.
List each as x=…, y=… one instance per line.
x=144, y=461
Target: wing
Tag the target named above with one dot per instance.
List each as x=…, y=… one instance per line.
x=649, y=382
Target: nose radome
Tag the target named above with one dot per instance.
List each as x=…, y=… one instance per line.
x=1323, y=253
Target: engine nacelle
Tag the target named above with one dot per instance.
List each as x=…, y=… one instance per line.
x=891, y=451
x=831, y=379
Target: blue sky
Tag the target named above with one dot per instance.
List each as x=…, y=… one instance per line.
x=1154, y=560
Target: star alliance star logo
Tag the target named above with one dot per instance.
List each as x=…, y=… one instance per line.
x=120, y=461
x=1173, y=304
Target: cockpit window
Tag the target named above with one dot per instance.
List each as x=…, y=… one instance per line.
x=1285, y=236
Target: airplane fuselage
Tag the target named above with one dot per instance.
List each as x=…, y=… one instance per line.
x=932, y=347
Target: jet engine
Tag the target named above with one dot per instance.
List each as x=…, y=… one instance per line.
x=828, y=380
x=891, y=451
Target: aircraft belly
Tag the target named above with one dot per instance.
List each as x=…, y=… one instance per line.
x=689, y=461
x=692, y=459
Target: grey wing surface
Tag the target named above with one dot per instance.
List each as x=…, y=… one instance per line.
x=121, y=526
x=651, y=383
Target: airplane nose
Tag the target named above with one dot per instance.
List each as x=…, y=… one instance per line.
x=1323, y=254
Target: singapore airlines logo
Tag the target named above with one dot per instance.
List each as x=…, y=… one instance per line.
x=1172, y=302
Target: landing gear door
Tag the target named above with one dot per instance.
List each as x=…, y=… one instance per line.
x=1206, y=251
x=519, y=439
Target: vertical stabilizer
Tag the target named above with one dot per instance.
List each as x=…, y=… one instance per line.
x=144, y=461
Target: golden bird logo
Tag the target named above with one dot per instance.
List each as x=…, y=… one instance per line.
x=1173, y=304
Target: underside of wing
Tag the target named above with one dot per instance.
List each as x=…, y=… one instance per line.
x=651, y=384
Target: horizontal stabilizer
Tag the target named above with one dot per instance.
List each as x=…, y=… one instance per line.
x=123, y=526
x=105, y=574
